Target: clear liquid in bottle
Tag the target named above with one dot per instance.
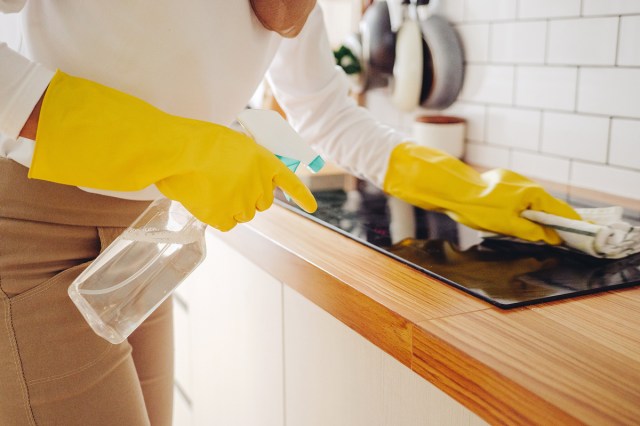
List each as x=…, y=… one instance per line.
x=139, y=270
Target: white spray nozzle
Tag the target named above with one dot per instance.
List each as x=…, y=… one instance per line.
x=270, y=130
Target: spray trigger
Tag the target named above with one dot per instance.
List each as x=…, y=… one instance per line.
x=291, y=163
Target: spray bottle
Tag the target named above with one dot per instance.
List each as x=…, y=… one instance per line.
x=146, y=263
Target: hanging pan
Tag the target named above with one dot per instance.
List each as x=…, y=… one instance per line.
x=446, y=61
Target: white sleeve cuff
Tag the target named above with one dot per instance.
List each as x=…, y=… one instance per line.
x=22, y=83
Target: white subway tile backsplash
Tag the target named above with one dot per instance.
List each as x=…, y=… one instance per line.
x=408, y=119
x=518, y=42
x=583, y=41
x=342, y=22
x=488, y=83
x=453, y=10
x=610, y=91
x=540, y=166
x=489, y=10
x=486, y=156
x=610, y=7
x=625, y=143
x=474, y=115
x=475, y=41
x=608, y=179
x=575, y=136
x=629, y=47
x=546, y=87
x=518, y=128
x=548, y=8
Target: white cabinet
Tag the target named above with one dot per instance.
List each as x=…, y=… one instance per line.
x=262, y=355
x=182, y=412
x=235, y=312
x=334, y=376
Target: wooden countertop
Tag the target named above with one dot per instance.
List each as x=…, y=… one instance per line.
x=575, y=361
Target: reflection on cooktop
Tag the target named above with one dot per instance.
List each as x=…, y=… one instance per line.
x=505, y=273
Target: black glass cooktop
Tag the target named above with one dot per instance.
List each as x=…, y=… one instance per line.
x=506, y=274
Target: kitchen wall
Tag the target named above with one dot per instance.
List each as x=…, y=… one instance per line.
x=552, y=89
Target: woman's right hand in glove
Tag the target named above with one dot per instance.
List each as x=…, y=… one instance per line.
x=94, y=136
x=492, y=201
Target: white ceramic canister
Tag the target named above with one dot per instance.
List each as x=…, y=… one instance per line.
x=445, y=133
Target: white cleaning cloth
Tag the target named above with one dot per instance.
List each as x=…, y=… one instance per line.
x=601, y=233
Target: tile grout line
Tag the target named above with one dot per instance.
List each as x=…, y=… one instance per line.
x=616, y=58
x=607, y=159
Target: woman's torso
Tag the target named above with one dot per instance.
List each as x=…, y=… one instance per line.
x=200, y=59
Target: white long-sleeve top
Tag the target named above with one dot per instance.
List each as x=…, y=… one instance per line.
x=202, y=59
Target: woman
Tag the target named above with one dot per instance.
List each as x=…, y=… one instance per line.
x=137, y=109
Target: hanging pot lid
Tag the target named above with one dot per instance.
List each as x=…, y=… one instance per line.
x=446, y=61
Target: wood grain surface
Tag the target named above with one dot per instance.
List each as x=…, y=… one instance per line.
x=575, y=361
x=485, y=391
x=580, y=355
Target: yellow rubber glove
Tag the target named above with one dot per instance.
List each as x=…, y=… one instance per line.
x=492, y=201
x=94, y=136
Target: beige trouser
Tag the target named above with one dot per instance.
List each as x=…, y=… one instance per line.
x=53, y=369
